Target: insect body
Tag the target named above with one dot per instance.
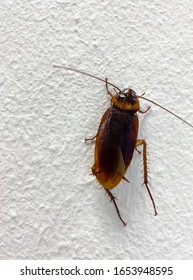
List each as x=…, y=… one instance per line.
x=116, y=139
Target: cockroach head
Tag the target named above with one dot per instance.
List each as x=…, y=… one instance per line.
x=126, y=99
x=128, y=94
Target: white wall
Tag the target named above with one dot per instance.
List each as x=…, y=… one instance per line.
x=50, y=207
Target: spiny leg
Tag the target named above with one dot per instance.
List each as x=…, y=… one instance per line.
x=142, y=142
x=113, y=199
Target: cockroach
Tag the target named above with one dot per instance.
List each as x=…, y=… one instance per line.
x=116, y=138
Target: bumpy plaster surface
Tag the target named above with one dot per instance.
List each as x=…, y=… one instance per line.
x=50, y=207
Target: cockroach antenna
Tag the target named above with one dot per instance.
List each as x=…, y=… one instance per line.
x=107, y=82
x=166, y=110
x=85, y=73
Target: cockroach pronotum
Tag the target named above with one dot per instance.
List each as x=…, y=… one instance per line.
x=116, y=138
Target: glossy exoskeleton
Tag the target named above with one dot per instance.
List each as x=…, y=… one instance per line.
x=116, y=140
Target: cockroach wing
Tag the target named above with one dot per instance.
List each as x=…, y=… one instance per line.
x=115, y=143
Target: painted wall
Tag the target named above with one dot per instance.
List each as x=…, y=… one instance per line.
x=50, y=207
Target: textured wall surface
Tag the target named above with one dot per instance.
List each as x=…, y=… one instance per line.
x=50, y=207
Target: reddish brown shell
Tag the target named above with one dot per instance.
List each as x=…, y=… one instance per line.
x=115, y=143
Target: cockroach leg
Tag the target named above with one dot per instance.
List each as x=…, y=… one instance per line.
x=108, y=91
x=113, y=199
x=143, y=142
x=143, y=112
x=90, y=139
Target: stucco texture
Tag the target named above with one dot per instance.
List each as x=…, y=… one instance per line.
x=50, y=205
